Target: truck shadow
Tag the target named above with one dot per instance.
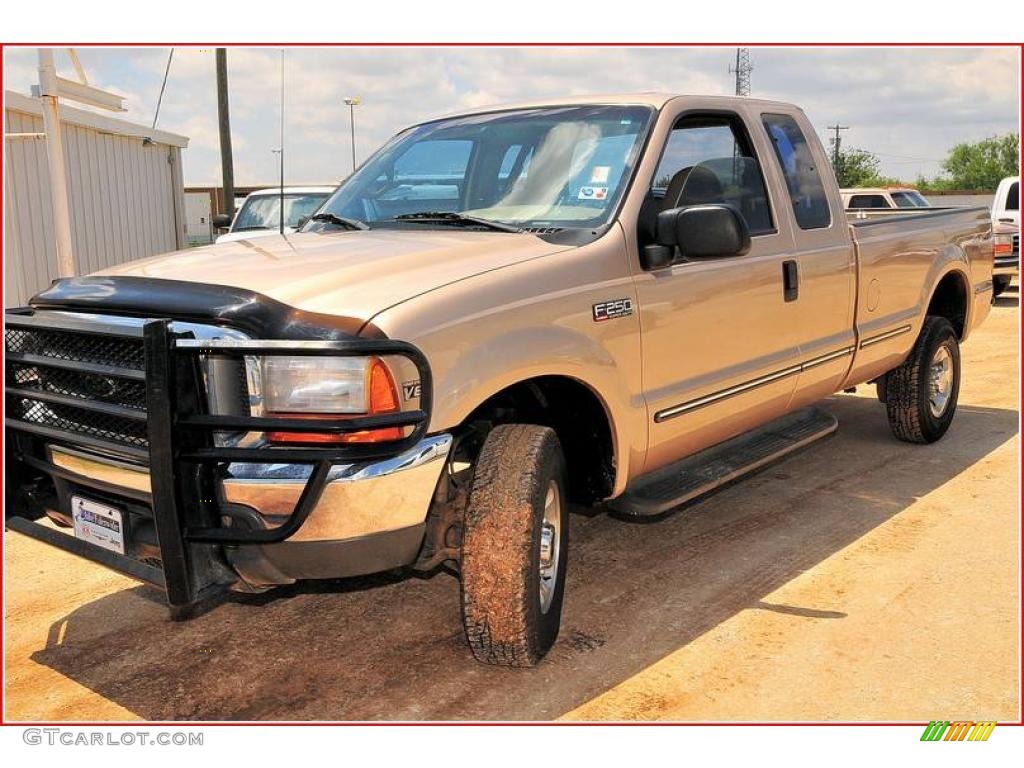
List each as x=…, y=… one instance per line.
x=391, y=646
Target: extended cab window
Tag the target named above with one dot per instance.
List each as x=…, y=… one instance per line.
x=1013, y=197
x=708, y=159
x=868, y=201
x=810, y=205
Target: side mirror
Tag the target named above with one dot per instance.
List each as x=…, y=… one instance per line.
x=704, y=231
x=222, y=220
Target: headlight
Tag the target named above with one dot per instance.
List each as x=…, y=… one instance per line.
x=324, y=386
x=309, y=384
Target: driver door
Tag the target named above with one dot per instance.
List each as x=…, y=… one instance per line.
x=720, y=340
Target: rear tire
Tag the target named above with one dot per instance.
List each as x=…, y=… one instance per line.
x=999, y=284
x=921, y=394
x=515, y=547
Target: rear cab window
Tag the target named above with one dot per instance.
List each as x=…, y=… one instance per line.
x=803, y=180
x=868, y=201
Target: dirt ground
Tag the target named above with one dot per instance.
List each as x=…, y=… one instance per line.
x=862, y=579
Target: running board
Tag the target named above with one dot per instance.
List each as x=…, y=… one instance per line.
x=713, y=467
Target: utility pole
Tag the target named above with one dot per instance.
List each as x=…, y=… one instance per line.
x=742, y=71
x=227, y=166
x=836, y=142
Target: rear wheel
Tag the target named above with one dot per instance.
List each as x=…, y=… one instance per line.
x=999, y=284
x=921, y=394
x=515, y=546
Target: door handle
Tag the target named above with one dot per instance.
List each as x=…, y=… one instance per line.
x=790, y=280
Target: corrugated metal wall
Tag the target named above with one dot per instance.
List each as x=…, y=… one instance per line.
x=126, y=198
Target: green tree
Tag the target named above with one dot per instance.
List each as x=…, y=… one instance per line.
x=983, y=164
x=855, y=168
x=859, y=168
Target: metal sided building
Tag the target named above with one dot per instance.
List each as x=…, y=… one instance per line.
x=125, y=194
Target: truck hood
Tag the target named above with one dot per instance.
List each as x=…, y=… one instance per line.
x=353, y=274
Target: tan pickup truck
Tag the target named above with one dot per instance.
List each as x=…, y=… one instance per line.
x=629, y=299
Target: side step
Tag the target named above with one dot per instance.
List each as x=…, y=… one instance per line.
x=696, y=475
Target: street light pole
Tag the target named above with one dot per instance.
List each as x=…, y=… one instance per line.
x=353, y=102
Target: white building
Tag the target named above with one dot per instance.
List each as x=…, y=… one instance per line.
x=125, y=194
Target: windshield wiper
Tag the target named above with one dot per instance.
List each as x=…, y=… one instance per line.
x=341, y=221
x=451, y=217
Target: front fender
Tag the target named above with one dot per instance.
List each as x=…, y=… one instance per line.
x=468, y=380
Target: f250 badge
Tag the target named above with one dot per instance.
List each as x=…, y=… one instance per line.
x=609, y=310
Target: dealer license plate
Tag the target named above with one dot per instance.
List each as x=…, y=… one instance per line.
x=98, y=524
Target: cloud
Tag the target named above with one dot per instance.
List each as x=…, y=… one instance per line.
x=908, y=105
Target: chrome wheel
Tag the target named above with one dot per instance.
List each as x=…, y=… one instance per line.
x=940, y=381
x=550, y=535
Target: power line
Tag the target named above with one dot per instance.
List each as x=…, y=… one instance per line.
x=742, y=71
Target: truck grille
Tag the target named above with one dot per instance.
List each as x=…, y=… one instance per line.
x=89, y=385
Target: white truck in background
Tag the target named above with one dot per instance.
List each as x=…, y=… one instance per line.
x=1006, y=234
x=882, y=198
x=259, y=215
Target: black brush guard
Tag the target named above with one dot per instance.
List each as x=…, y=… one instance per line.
x=182, y=456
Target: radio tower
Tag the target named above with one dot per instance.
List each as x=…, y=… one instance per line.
x=742, y=70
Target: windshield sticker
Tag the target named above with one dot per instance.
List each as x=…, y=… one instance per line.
x=600, y=174
x=593, y=193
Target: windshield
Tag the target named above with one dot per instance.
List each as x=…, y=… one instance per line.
x=552, y=167
x=264, y=211
x=910, y=200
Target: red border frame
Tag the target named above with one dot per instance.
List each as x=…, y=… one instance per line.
x=300, y=723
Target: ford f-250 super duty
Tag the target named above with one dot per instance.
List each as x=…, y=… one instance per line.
x=630, y=299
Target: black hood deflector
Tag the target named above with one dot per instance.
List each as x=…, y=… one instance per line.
x=253, y=313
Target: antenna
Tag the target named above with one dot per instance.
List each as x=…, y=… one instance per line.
x=742, y=71
x=281, y=206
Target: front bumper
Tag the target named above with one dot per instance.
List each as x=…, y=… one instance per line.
x=370, y=515
x=198, y=513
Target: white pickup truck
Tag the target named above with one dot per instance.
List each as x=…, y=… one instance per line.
x=882, y=198
x=1006, y=233
x=260, y=214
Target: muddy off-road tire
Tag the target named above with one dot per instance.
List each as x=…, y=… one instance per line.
x=515, y=546
x=921, y=394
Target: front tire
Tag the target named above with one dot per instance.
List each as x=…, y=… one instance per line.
x=515, y=546
x=921, y=394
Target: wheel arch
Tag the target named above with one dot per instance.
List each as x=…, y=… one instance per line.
x=579, y=415
x=951, y=298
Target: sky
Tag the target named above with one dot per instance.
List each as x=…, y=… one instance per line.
x=908, y=106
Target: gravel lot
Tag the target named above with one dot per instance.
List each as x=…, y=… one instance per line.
x=862, y=579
